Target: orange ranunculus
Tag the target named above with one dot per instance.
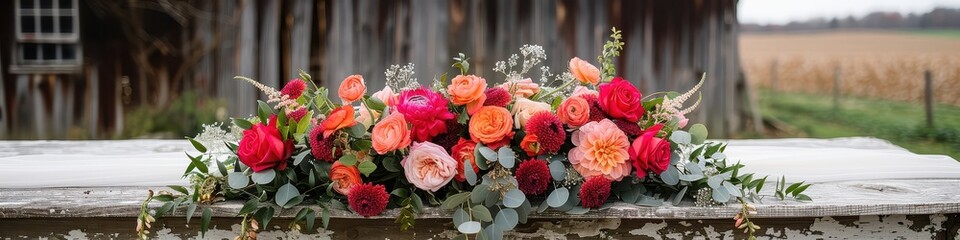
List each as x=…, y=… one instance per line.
x=584, y=71
x=461, y=152
x=344, y=177
x=492, y=126
x=339, y=118
x=530, y=145
x=574, y=111
x=352, y=88
x=467, y=90
x=391, y=134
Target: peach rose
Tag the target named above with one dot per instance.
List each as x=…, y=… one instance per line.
x=467, y=90
x=523, y=88
x=492, y=126
x=601, y=150
x=387, y=96
x=391, y=134
x=574, y=111
x=581, y=90
x=344, y=177
x=352, y=88
x=524, y=108
x=339, y=118
x=428, y=166
x=367, y=117
x=584, y=71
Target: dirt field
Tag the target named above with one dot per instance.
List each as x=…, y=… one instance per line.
x=887, y=65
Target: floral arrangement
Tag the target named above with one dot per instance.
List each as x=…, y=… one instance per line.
x=491, y=152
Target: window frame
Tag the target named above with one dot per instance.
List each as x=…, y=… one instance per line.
x=57, y=37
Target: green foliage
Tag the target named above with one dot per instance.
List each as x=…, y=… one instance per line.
x=611, y=50
x=184, y=116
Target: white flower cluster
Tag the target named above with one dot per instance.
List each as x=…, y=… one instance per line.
x=533, y=55
x=401, y=77
x=214, y=136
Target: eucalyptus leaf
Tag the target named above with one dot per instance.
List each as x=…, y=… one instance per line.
x=506, y=219
x=286, y=193
x=264, y=177
x=558, y=171
x=733, y=190
x=691, y=177
x=578, y=210
x=671, y=176
x=481, y=213
x=190, y=210
x=698, y=133
x=492, y=232
x=524, y=211
x=506, y=157
x=468, y=173
x=455, y=200
x=513, y=198
x=479, y=193
x=680, y=137
x=679, y=196
x=222, y=168
x=487, y=153
x=721, y=195
x=649, y=201
x=558, y=197
x=542, y=207
x=693, y=168
x=630, y=195
x=460, y=216
x=237, y=180
x=470, y=227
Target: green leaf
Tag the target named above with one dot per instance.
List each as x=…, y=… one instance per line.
x=163, y=198
x=760, y=185
x=180, y=189
x=374, y=104
x=357, y=130
x=506, y=219
x=264, y=177
x=237, y=180
x=481, y=213
x=487, y=153
x=513, y=198
x=460, y=216
x=325, y=218
x=164, y=209
x=679, y=197
x=558, y=197
x=197, y=145
x=468, y=173
x=310, y=219
x=649, y=201
x=479, y=193
x=558, y=171
x=367, y=168
x=800, y=189
x=205, y=221
x=392, y=164
x=671, y=176
x=348, y=160
x=264, y=215
x=506, y=157
x=199, y=164
x=698, y=133
x=401, y=192
x=190, y=210
x=299, y=157
x=803, y=197
x=733, y=190
x=793, y=187
x=470, y=227
x=286, y=193
x=691, y=177
x=455, y=200
x=242, y=123
x=264, y=111
x=680, y=137
x=578, y=210
x=220, y=167
x=249, y=206
x=721, y=195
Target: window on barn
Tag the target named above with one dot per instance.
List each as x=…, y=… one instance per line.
x=47, y=36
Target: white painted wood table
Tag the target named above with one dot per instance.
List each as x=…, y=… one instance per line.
x=864, y=189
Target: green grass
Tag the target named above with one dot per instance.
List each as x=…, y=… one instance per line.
x=950, y=33
x=903, y=123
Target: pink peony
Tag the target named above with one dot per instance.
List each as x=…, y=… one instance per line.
x=426, y=110
x=428, y=166
x=601, y=150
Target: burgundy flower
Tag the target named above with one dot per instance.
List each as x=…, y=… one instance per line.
x=451, y=137
x=496, y=96
x=596, y=112
x=533, y=177
x=549, y=131
x=294, y=88
x=630, y=128
x=594, y=192
x=426, y=110
x=321, y=147
x=368, y=199
x=296, y=115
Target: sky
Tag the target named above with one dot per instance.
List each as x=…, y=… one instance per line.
x=784, y=11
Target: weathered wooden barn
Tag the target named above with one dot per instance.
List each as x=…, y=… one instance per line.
x=71, y=69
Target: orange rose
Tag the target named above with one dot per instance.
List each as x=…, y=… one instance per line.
x=391, y=134
x=574, y=111
x=352, y=88
x=339, y=118
x=467, y=90
x=584, y=71
x=492, y=126
x=529, y=144
x=344, y=177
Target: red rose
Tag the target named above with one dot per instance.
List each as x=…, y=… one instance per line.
x=621, y=100
x=650, y=153
x=464, y=151
x=262, y=148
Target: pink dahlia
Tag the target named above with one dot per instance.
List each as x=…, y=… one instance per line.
x=426, y=110
x=549, y=131
x=533, y=177
x=594, y=192
x=368, y=199
x=601, y=150
x=294, y=88
x=496, y=97
x=321, y=147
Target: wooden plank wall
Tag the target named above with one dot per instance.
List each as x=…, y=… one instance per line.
x=669, y=44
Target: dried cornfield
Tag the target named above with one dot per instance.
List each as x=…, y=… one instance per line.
x=888, y=65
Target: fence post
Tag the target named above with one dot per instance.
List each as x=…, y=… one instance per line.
x=928, y=96
x=836, y=87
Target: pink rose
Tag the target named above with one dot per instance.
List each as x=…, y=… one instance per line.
x=621, y=100
x=581, y=90
x=262, y=147
x=387, y=96
x=650, y=153
x=523, y=87
x=428, y=166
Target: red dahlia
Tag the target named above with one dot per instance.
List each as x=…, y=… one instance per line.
x=630, y=128
x=549, y=131
x=596, y=113
x=321, y=147
x=496, y=97
x=594, y=192
x=368, y=199
x=451, y=137
x=533, y=177
x=294, y=88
